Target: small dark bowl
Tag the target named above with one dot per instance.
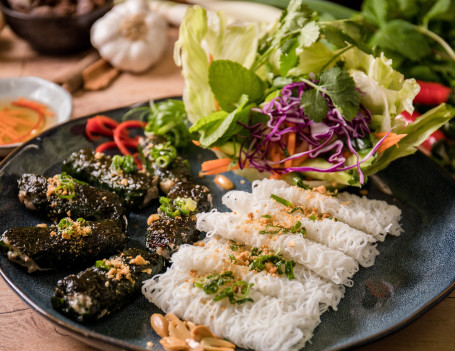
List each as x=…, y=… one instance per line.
x=53, y=35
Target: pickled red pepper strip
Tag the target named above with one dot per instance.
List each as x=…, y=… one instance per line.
x=103, y=125
x=119, y=138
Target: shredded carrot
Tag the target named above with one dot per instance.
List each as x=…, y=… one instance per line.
x=300, y=148
x=15, y=127
x=217, y=166
x=291, y=148
x=33, y=105
x=392, y=139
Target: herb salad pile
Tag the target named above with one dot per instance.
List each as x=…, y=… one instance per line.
x=302, y=96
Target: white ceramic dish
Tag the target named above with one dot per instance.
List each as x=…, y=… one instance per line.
x=38, y=89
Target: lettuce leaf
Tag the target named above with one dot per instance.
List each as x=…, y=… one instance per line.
x=203, y=38
x=416, y=132
x=384, y=91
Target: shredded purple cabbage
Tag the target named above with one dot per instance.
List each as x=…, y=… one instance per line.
x=326, y=139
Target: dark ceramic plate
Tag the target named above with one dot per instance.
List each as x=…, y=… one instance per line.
x=412, y=273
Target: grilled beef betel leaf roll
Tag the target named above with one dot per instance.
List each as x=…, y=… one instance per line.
x=107, y=286
x=199, y=193
x=174, y=225
x=118, y=174
x=165, y=234
x=161, y=159
x=62, y=196
x=67, y=244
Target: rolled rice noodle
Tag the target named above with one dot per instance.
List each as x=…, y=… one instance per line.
x=307, y=293
x=334, y=234
x=284, y=312
x=328, y=263
x=374, y=217
x=266, y=324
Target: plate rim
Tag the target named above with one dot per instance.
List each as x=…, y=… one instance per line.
x=94, y=338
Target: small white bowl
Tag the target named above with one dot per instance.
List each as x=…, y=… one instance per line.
x=41, y=90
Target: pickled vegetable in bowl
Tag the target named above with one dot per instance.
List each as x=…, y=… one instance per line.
x=22, y=119
x=28, y=106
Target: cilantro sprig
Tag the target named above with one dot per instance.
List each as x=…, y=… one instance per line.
x=337, y=85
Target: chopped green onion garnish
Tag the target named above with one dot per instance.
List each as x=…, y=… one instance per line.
x=101, y=264
x=235, y=291
x=163, y=154
x=281, y=200
x=123, y=163
x=177, y=207
x=299, y=182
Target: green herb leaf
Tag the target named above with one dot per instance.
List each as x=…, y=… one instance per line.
x=289, y=57
x=340, y=86
x=337, y=36
x=220, y=132
x=209, y=121
x=230, y=80
x=375, y=12
x=401, y=37
x=293, y=24
x=314, y=105
x=440, y=7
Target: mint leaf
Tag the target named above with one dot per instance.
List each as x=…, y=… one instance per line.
x=224, y=129
x=314, y=105
x=289, y=57
x=340, y=87
x=205, y=123
x=229, y=80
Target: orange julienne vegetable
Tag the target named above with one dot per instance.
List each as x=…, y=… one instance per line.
x=291, y=148
x=12, y=119
x=216, y=166
x=391, y=140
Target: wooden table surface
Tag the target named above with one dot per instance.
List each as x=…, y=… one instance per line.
x=21, y=328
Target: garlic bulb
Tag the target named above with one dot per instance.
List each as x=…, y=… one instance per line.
x=130, y=36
